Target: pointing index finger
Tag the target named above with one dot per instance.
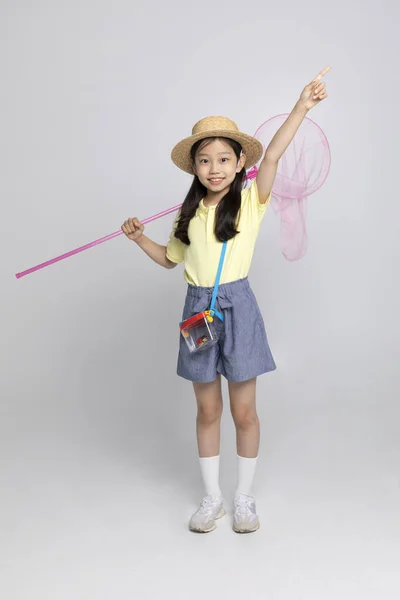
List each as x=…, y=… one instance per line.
x=322, y=73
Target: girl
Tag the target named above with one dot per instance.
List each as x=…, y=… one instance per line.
x=218, y=209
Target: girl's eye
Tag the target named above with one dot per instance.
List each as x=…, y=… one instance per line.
x=224, y=159
x=203, y=160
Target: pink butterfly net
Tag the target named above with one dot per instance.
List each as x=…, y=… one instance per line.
x=302, y=170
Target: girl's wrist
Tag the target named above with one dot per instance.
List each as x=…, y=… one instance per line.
x=300, y=108
x=139, y=239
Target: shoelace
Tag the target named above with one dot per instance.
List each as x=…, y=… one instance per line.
x=207, y=505
x=244, y=507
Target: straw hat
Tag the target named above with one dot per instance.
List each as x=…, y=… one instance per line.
x=216, y=127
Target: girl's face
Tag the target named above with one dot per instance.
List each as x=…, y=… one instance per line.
x=216, y=165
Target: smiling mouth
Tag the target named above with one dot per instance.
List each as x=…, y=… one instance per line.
x=216, y=180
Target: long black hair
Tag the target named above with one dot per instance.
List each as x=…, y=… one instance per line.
x=227, y=209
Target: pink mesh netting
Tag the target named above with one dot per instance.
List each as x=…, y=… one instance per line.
x=302, y=170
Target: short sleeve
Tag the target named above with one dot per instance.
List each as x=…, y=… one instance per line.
x=175, y=248
x=251, y=202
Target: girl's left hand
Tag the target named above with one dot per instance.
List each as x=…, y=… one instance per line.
x=315, y=91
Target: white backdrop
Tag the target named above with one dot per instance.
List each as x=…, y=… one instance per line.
x=99, y=471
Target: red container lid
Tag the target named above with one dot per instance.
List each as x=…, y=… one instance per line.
x=193, y=321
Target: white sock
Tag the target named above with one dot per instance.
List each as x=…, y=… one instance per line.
x=210, y=472
x=246, y=471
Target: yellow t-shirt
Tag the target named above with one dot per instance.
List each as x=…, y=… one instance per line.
x=202, y=256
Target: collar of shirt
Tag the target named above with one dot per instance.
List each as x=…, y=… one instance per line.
x=203, y=210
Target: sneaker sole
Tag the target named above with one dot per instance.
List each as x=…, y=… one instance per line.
x=221, y=513
x=236, y=530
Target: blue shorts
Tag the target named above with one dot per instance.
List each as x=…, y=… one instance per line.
x=242, y=351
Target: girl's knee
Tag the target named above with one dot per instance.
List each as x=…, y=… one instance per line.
x=208, y=415
x=245, y=417
x=209, y=401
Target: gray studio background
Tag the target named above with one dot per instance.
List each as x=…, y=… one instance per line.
x=99, y=470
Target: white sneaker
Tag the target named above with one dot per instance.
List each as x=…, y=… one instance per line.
x=203, y=520
x=245, y=519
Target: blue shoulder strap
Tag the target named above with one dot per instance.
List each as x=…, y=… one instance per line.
x=215, y=292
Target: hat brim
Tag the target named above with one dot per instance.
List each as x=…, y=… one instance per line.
x=252, y=148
